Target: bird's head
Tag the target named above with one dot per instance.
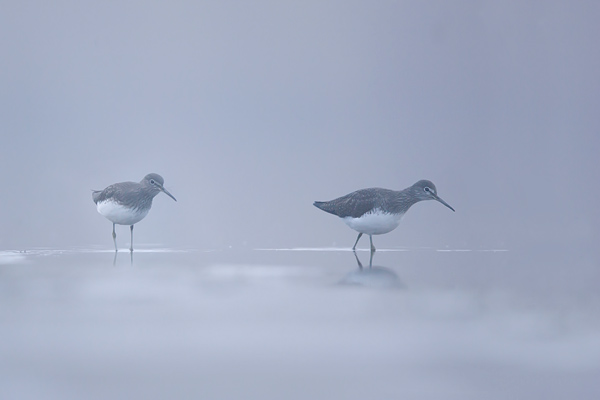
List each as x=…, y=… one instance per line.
x=155, y=183
x=425, y=190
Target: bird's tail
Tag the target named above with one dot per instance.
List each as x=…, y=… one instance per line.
x=324, y=205
x=96, y=195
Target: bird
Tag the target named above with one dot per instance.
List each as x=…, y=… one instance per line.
x=376, y=211
x=127, y=203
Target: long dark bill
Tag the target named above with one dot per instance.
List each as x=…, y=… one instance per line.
x=443, y=202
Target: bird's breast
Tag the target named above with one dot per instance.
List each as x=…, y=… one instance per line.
x=375, y=222
x=120, y=214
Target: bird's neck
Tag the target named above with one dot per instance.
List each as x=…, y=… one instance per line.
x=402, y=201
x=145, y=200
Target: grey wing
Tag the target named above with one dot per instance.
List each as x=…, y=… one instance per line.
x=101, y=195
x=352, y=205
x=123, y=193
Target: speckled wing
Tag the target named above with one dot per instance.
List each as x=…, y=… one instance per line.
x=114, y=192
x=101, y=195
x=353, y=205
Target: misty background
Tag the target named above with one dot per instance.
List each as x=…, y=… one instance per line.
x=251, y=111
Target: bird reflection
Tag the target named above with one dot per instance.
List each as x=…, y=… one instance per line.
x=115, y=258
x=373, y=276
x=360, y=266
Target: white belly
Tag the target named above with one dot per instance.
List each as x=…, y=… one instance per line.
x=374, y=223
x=119, y=214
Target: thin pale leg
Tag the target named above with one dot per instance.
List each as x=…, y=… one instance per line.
x=372, y=247
x=115, y=238
x=131, y=246
x=357, y=239
x=371, y=259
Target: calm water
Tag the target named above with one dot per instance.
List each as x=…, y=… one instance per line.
x=299, y=324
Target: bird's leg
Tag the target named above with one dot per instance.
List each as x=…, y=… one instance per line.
x=131, y=246
x=357, y=260
x=372, y=247
x=371, y=259
x=357, y=239
x=115, y=238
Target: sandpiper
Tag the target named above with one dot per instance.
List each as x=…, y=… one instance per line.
x=127, y=203
x=376, y=211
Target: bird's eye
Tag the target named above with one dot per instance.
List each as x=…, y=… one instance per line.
x=152, y=181
x=427, y=189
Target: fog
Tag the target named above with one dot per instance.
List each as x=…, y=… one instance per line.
x=253, y=111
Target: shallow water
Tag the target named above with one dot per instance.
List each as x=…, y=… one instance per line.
x=298, y=323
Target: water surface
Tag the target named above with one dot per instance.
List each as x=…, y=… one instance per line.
x=298, y=323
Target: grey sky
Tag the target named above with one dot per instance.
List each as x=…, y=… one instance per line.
x=251, y=111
